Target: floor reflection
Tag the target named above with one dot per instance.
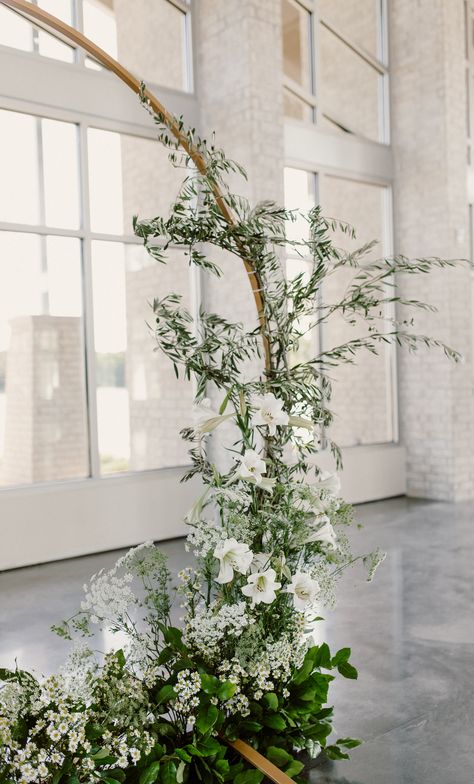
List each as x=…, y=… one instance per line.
x=411, y=633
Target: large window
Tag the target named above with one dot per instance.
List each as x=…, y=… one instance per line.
x=82, y=393
x=363, y=394
x=335, y=65
x=151, y=39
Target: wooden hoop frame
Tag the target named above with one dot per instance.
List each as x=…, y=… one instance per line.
x=60, y=29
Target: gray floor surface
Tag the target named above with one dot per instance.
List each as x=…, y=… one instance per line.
x=411, y=632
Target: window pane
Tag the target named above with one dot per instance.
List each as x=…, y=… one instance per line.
x=362, y=393
x=141, y=405
x=300, y=194
x=19, y=181
x=128, y=176
x=43, y=432
x=20, y=34
x=349, y=87
x=147, y=36
x=61, y=174
x=359, y=22
x=48, y=45
x=297, y=43
x=15, y=31
x=295, y=108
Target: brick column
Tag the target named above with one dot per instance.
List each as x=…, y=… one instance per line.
x=428, y=98
x=239, y=58
x=239, y=85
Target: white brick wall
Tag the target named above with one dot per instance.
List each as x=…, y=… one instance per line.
x=429, y=143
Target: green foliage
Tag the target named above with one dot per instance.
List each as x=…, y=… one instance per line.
x=167, y=709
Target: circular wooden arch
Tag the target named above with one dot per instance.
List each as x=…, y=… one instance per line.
x=68, y=34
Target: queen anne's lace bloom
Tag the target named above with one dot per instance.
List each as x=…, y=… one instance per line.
x=206, y=631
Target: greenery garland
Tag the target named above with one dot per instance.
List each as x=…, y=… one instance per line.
x=268, y=533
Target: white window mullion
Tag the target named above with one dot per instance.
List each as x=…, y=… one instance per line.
x=88, y=309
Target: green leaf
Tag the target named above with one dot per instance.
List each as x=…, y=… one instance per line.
x=101, y=754
x=165, y=694
x=294, y=768
x=168, y=773
x=335, y=753
x=183, y=755
x=165, y=655
x=271, y=700
x=251, y=726
x=341, y=656
x=249, y=777
x=347, y=670
x=120, y=656
x=150, y=774
x=275, y=722
x=209, y=683
x=348, y=743
x=173, y=637
x=209, y=747
x=278, y=756
x=180, y=772
x=323, y=657
x=94, y=731
x=226, y=690
x=208, y=716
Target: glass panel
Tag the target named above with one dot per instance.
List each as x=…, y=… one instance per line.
x=19, y=181
x=20, y=34
x=362, y=393
x=128, y=176
x=148, y=38
x=358, y=21
x=141, y=405
x=295, y=108
x=61, y=174
x=297, y=44
x=300, y=194
x=48, y=45
x=349, y=87
x=43, y=431
x=15, y=31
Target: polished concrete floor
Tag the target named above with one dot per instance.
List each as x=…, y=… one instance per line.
x=411, y=632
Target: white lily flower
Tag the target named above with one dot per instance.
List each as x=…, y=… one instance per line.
x=261, y=587
x=206, y=419
x=269, y=412
x=233, y=556
x=304, y=590
x=326, y=535
x=328, y=481
x=251, y=466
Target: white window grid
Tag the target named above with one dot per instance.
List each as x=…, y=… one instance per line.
x=26, y=104
x=390, y=354
x=379, y=63
x=80, y=56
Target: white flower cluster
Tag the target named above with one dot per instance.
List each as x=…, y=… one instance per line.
x=203, y=538
x=77, y=674
x=128, y=749
x=108, y=596
x=187, y=689
x=206, y=631
x=232, y=671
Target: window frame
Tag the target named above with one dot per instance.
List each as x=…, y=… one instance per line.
x=379, y=63
x=64, y=518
